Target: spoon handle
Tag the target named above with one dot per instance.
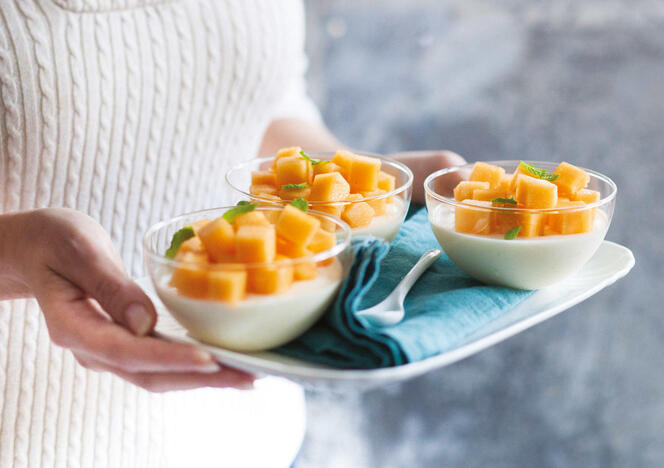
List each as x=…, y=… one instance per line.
x=414, y=274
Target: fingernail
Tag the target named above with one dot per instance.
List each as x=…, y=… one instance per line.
x=138, y=319
x=207, y=364
x=244, y=386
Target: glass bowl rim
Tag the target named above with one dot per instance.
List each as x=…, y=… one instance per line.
x=451, y=201
x=317, y=257
x=401, y=166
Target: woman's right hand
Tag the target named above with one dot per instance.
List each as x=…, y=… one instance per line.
x=68, y=262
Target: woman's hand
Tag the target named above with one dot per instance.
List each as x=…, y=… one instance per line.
x=423, y=163
x=67, y=261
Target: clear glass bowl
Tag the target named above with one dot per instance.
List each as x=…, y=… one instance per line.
x=258, y=322
x=525, y=262
x=384, y=227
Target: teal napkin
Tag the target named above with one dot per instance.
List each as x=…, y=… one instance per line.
x=444, y=307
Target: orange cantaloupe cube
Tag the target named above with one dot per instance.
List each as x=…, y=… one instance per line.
x=363, y=176
x=218, y=237
x=292, y=170
x=386, y=181
x=190, y=276
x=296, y=226
x=488, y=194
x=227, y=285
x=473, y=217
x=263, y=190
x=273, y=279
x=256, y=218
x=268, y=199
x=321, y=241
x=571, y=222
x=358, y=214
x=531, y=223
x=284, y=153
x=354, y=197
x=379, y=205
x=334, y=210
x=535, y=193
x=520, y=169
x=464, y=189
x=304, y=270
x=483, y=172
x=263, y=178
x=331, y=187
x=506, y=183
x=197, y=225
x=344, y=159
x=587, y=196
x=326, y=168
x=193, y=244
x=571, y=178
x=291, y=249
x=292, y=193
x=255, y=244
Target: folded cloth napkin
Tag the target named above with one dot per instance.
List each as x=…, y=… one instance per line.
x=444, y=307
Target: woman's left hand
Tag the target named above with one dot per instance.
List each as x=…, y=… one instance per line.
x=423, y=163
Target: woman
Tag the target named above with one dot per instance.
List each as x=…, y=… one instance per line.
x=115, y=114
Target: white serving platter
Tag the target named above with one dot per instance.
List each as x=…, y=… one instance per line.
x=610, y=263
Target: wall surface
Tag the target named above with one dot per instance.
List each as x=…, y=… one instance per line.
x=511, y=79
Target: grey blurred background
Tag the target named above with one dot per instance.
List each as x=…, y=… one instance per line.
x=580, y=80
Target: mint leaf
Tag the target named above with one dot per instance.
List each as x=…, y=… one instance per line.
x=300, y=203
x=513, y=233
x=541, y=173
x=179, y=237
x=241, y=208
x=243, y=202
x=504, y=201
x=301, y=186
x=314, y=162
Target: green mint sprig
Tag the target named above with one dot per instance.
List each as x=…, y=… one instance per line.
x=541, y=173
x=241, y=208
x=178, y=238
x=314, y=162
x=301, y=204
x=301, y=186
x=513, y=233
x=504, y=201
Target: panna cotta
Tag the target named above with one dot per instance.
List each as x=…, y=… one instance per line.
x=259, y=321
x=526, y=263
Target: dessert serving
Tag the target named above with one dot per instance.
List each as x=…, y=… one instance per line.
x=369, y=193
x=248, y=278
x=518, y=224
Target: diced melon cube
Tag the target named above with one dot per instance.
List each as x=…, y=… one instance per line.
x=354, y=197
x=255, y=244
x=358, y=214
x=291, y=250
x=535, y=193
x=256, y=218
x=263, y=190
x=531, y=223
x=571, y=178
x=344, y=159
x=263, y=178
x=364, y=174
x=587, y=196
x=506, y=183
x=519, y=170
x=190, y=277
x=473, y=217
x=386, y=181
x=334, y=210
x=322, y=240
x=274, y=279
x=227, y=285
x=292, y=170
x=197, y=225
x=484, y=172
x=218, y=237
x=572, y=222
x=488, y=194
x=193, y=244
x=292, y=193
x=267, y=199
x=304, y=270
x=297, y=226
x=326, y=168
x=379, y=205
x=329, y=187
x=464, y=189
x=284, y=153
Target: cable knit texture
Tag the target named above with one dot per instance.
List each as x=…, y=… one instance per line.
x=132, y=111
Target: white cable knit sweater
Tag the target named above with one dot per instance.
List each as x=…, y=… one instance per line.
x=131, y=111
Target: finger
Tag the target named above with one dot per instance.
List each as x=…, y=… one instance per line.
x=97, y=273
x=225, y=377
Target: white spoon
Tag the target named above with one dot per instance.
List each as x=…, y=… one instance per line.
x=391, y=311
